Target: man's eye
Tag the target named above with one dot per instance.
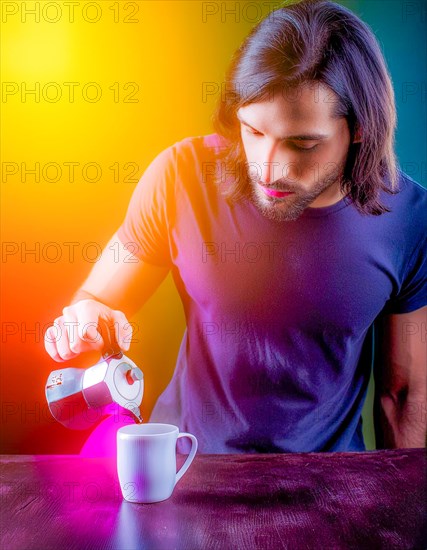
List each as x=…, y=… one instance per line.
x=252, y=132
x=294, y=146
x=305, y=149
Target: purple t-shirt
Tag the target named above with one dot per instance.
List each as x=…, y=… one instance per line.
x=277, y=352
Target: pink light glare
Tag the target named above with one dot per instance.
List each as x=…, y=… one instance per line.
x=102, y=441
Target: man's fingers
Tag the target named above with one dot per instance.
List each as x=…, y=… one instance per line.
x=50, y=344
x=70, y=323
x=62, y=341
x=84, y=326
x=88, y=326
x=123, y=330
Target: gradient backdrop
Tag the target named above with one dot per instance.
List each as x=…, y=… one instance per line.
x=89, y=97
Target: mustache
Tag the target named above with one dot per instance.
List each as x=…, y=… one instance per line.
x=280, y=185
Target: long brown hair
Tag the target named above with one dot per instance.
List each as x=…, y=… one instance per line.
x=322, y=42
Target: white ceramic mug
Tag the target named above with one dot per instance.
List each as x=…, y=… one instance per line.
x=146, y=461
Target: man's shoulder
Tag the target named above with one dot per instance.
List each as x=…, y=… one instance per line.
x=412, y=188
x=410, y=197
x=191, y=165
x=407, y=220
x=201, y=146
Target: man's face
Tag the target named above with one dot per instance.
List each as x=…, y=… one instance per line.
x=281, y=158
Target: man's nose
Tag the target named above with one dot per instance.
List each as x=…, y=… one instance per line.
x=276, y=165
x=270, y=165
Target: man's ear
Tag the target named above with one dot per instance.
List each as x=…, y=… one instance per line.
x=358, y=135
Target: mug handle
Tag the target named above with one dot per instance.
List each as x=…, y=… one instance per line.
x=189, y=458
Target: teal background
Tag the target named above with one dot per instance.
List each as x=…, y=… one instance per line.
x=400, y=27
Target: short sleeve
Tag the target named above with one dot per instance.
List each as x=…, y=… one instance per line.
x=148, y=217
x=413, y=292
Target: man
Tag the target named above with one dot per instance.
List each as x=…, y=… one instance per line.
x=289, y=234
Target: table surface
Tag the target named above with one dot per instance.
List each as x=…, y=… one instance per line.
x=298, y=501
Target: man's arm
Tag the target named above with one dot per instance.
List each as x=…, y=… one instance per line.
x=120, y=280
x=401, y=380
x=118, y=285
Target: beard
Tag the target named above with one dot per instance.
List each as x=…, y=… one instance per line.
x=291, y=207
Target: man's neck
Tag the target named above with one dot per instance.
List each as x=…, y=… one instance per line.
x=330, y=196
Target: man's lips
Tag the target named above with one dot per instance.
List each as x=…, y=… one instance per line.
x=274, y=192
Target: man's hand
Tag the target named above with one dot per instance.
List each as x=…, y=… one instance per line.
x=77, y=330
x=401, y=380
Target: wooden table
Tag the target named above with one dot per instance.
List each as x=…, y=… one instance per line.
x=369, y=500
